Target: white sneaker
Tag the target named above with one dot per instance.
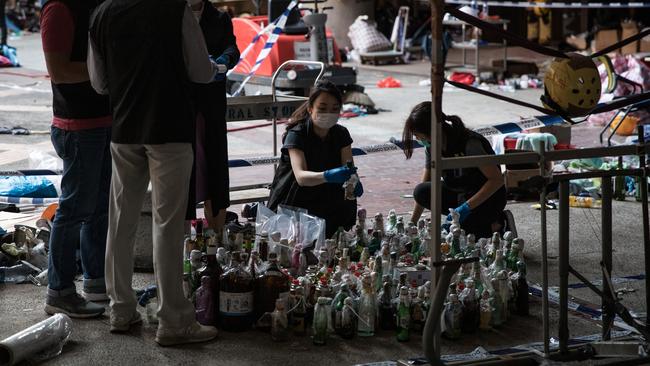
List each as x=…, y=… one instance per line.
x=121, y=324
x=194, y=333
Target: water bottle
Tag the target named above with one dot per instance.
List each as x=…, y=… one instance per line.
x=17, y=274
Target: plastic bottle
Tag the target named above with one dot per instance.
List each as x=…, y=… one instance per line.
x=17, y=274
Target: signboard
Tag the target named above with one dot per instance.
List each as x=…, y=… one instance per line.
x=302, y=52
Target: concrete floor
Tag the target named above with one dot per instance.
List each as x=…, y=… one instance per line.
x=25, y=100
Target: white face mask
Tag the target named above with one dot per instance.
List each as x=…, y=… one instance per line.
x=326, y=120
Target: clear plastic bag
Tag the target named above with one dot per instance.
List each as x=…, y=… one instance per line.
x=312, y=229
x=37, y=343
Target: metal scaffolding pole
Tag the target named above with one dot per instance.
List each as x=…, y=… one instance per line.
x=431, y=336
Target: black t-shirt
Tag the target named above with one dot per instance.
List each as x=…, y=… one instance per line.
x=324, y=200
x=467, y=180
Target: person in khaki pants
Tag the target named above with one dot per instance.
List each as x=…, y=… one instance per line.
x=143, y=54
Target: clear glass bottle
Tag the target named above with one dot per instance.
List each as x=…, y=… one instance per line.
x=403, y=316
x=236, y=297
x=320, y=323
x=299, y=312
x=367, y=309
x=386, y=305
x=348, y=319
x=279, y=322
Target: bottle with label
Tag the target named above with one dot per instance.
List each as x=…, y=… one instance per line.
x=279, y=322
x=236, y=297
x=200, y=239
x=367, y=309
x=320, y=323
x=270, y=286
x=403, y=316
x=263, y=246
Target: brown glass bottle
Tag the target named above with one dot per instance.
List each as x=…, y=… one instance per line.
x=211, y=269
x=200, y=240
x=236, y=297
x=271, y=285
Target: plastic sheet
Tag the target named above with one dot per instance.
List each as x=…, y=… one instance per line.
x=37, y=343
x=34, y=187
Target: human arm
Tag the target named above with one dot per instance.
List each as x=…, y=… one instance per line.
x=57, y=35
x=96, y=69
x=417, y=210
x=304, y=177
x=200, y=68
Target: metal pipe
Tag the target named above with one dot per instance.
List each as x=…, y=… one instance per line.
x=606, y=243
x=563, y=325
x=643, y=186
x=542, y=202
x=431, y=332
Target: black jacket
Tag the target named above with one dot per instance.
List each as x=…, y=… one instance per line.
x=78, y=100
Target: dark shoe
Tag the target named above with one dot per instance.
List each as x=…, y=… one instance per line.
x=510, y=223
x=73, y=305
x=120, y=324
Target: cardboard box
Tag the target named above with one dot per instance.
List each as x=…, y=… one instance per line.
x=605, y=38
x=561, y=132
x=629, y=28
x=513, y=177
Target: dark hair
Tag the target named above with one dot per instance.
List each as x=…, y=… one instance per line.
x=301, y=114
x=419, y=121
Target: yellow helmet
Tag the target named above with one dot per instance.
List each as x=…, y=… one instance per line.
x=572, y=85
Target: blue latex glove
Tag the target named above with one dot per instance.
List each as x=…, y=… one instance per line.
x=358, y=189
x=338, y=175
x=463, y=210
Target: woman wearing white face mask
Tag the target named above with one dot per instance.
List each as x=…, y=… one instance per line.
x=312, y=166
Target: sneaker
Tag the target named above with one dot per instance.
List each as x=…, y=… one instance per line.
x=195, y=333
x=73, y=306
x=122, y=324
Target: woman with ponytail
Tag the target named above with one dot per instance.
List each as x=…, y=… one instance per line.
x=312, y=166
x=477, y=194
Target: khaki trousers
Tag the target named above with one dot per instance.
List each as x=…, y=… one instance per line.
x=168, y=166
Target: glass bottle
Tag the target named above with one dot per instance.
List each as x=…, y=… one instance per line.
x=348, y=319
x=263, y=246
x=206, y=302
x=236, y=297
x=486, y=311
x=403, y=316
x=522, y=289
x=299, y=312
x=351, y=183
x=253, y=264
x=453, y=317
x=271, y=285
x=471, y=311
x=386, y=306
x=200, y=239
x=187, y=276
x=210, y=268
x=279, y=322
x=338, y=304
x=380, y=273
x=320, y=323
x=367, y=309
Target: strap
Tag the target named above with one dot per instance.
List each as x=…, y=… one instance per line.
x=622, y=43
x=502, y=97
x=511, y=38
x=611, y=75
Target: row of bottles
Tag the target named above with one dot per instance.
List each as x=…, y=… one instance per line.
x=355, y=285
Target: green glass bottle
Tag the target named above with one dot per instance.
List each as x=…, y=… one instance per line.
x=403, y=316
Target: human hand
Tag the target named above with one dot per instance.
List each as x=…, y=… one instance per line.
x=338, y=175
x=463, y=211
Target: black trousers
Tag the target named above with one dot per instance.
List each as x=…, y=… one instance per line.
x=480, y=220
x=3, y=23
